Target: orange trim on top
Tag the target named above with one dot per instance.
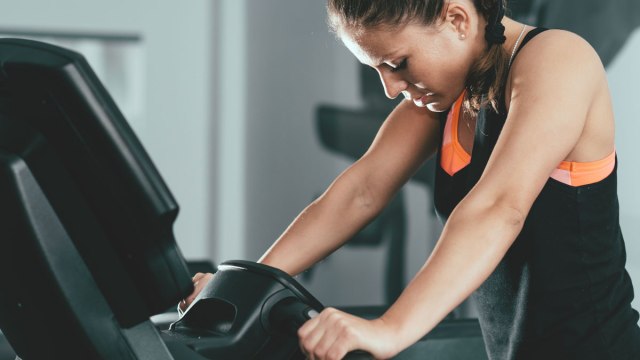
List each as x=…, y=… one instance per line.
x=453, y=156
x=584, y=173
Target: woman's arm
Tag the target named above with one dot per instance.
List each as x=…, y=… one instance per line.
x=405, y=140
x=550, y=102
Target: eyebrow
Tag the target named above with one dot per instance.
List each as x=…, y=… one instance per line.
x=390, y=55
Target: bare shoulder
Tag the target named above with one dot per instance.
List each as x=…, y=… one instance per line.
x=558, y=50
x=558, y=82
x=557, y=60
x=557, y=47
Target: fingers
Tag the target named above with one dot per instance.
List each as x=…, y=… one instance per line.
x=200, y=280
x=326, y=346
x=182, y=305
x=310, y=345
x=198, y=276
x=319, y=337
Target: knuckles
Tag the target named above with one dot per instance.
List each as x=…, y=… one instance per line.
x=336, y=321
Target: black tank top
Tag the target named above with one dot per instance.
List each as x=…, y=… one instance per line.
x=561, y=291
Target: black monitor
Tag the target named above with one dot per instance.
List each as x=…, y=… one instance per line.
x=86, y=240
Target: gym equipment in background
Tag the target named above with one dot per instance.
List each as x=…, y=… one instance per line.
x=86, y=218
x=606, y=25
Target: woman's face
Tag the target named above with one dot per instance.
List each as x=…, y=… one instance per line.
x=426, y=64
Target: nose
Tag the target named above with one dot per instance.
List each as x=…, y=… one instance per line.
x=392, y=82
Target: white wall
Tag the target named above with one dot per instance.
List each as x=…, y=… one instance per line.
x=624, y=77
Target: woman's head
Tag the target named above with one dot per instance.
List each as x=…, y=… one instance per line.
x=429, y=50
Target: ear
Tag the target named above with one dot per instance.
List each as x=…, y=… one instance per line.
x=457, y=17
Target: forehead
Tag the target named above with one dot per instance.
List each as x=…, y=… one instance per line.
x=374, y=46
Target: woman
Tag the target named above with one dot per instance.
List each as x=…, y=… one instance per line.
x=521, y=122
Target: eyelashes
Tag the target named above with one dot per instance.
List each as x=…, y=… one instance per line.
x=403, y=65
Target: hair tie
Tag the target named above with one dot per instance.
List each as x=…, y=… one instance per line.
x=494, y=31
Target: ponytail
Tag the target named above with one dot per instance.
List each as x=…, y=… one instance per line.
x=488, y=74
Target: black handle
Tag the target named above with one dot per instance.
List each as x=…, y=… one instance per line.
x=358, y=355
x=289, y=314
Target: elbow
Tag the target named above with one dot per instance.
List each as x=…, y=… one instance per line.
x=368, y=197
x=364, y=194
x=365, y=201
x=364, y=197
x=509, y=221
x=355, y=195
x=501, y=214
x=513, y=215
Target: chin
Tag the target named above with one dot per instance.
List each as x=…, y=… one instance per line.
x=436, y=107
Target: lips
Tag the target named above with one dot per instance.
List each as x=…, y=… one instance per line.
x=423, y=100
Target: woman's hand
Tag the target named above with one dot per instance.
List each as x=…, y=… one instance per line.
x=199, y=281
x=333, y=333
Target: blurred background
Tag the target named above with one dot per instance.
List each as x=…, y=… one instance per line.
x=250, y=108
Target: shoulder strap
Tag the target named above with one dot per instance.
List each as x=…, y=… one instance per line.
x=530, y=35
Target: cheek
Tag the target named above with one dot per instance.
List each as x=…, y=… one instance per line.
x=449, y=80
x=443, y=69
x=453, y=61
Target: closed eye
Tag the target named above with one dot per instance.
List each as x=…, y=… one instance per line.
x=403, y=65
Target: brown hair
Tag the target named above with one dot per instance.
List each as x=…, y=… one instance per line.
x=488, y=74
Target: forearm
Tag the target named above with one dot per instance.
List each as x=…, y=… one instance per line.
x=473, y=242
x=322, y=227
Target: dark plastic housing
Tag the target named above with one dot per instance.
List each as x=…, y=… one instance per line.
x=75, y=183
x=236, y=315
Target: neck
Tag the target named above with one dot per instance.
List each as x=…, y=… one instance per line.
x=513, y=29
